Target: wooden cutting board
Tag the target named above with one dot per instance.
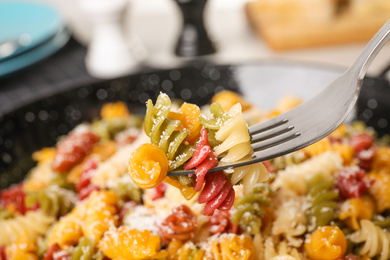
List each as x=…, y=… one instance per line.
x=287, y=27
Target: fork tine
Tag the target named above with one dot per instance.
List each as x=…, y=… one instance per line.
x=267, y=125
x=282, y=138
x=262, y=136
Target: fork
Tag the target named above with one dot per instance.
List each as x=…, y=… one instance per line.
x=315, y=118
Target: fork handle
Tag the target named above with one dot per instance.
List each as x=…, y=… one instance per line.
x=371, y=50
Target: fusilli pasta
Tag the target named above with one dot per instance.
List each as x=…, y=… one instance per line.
x=376, y=240
x=30, y=226
x=163, y=132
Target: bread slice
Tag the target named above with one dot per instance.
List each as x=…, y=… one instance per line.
x=290, y=24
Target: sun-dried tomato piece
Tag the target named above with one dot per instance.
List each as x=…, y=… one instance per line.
x=352, y=182
x=73, y=149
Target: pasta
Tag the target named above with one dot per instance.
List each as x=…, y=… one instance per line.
x=376, y=240
x=113, y=200
x=177, y=250
x=22, y=250
x=21, y=228
x=294, y=177
x=125, y=243
x=84, y=250
x=326, y=242
x=230, y=246
x=290, y=218
x=53, y=201
x=180, y=225
x=322, y=202
x=249, y=211
x=234, y=139
x=162, y=132
x=277, y=250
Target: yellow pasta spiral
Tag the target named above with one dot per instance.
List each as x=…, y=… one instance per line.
x=232, y=247
x=236, y=143
x=126, y=243
x=68, y=230
x=381, y=162
x=177, y=250
x=355, y=209
x=375, y=240
x=318, y=148
x=25, y=250
x=22, y=228
x=90, y=219
x=380, y=190
x=100, y=214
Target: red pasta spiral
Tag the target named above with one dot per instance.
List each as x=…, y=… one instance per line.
x=352, y=182
x=203, y=160
x=364, y=149
x=218, y=193
x=220, y=223
x=84, y=186
x=56, y=253
x=180, y=225
x=14, y=197
x=73, y=149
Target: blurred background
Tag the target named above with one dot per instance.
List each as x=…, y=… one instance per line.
x=331, y=32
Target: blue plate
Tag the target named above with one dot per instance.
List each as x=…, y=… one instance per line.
x=27, y=58
x=26, y=25
x=29, y=32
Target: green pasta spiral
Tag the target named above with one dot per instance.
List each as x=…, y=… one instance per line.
x=213, y=124
x=322, y=202
x=280, y=163
x=383, y=223
x=85, y=250
x=248, y=209
x=108, y=128
x=126, y=189
x=5, y=214
x=163, y=132
x=53, y=201
x=61, y=181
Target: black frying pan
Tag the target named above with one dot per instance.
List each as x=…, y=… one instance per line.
x=30, y=127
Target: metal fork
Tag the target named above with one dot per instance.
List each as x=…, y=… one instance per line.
x=315, y=118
